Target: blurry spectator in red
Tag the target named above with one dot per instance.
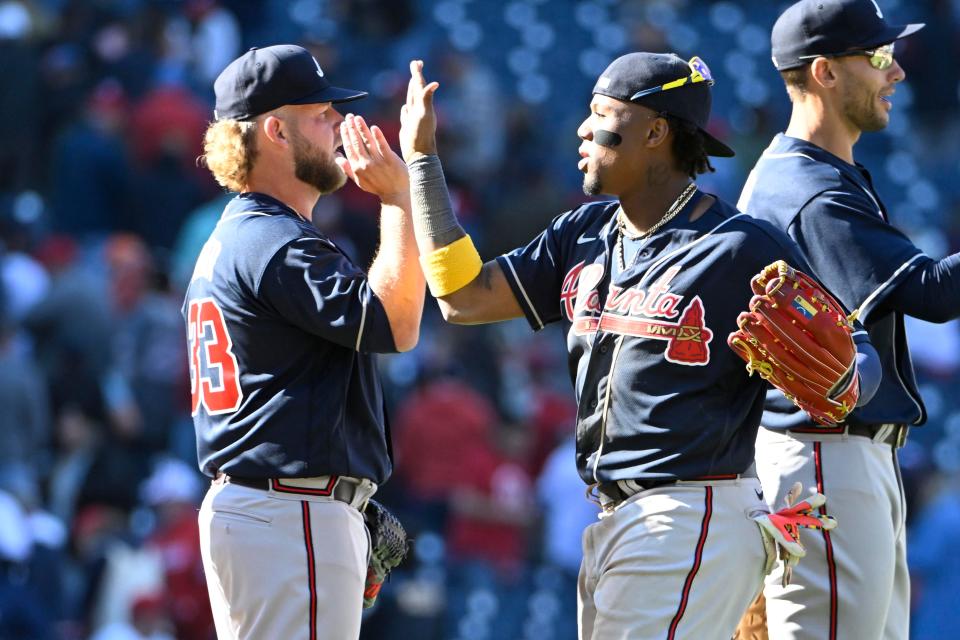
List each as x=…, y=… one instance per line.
x=492, y=504
x=492, y=508
x=169, y=119
x=173, y=491
x=167, y=128
x=438, y=428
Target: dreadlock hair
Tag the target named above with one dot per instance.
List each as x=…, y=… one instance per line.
x=688, y=152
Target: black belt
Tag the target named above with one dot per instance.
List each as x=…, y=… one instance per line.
x=889, y=433
x=895, y=436
x=614, y=493
x=622, y=489
x=338, y=488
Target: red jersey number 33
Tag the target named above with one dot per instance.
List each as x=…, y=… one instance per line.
x=213, y=366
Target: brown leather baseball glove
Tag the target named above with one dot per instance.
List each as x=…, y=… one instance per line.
x=799, y=338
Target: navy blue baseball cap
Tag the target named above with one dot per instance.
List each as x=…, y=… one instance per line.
x=262, y=80
x=812, y=28
x=669, y=85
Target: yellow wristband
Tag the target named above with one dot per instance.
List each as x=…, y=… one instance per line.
x=452, y=267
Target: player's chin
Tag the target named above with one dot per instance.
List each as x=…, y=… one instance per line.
x=591, y=184
x=878, y=122
x=335, y=183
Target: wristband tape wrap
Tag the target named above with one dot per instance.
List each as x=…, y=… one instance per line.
x=452, y=267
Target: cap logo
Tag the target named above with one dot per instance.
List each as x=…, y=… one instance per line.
x=879, y=13
x=319, y=70
x=603, y=82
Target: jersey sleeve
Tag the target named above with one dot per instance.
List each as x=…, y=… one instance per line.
x=865, y=259
x=319, y=290
x=534, y=275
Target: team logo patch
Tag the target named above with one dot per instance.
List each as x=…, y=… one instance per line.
x=804, y=308
x=653, y=313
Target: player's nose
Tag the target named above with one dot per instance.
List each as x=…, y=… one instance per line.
x=335, y=117
x=897, y=74
x=584, y=132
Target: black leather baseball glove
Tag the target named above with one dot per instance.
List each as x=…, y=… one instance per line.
x=388, y=548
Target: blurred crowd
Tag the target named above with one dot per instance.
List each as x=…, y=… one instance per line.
x=103, y=209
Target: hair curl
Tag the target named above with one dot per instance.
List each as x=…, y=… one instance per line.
x=688, y=147
x=229, y=151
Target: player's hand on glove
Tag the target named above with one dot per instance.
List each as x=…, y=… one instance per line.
x=418, y=121
x=369, y=161
x=388, y=548
x=798, y=338
x=781, y=530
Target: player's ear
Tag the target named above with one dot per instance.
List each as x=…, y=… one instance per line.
x=823, y=72
x=274, y=129
x=658, y=131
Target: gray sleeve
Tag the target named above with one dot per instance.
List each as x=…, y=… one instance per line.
x=433, y=216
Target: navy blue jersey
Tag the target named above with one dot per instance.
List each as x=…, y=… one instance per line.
x=832, y=211
x=660, y=394
x=282, y=327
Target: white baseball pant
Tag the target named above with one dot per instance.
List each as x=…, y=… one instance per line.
x=283, y=565
x=853, y=582
x=679, y=561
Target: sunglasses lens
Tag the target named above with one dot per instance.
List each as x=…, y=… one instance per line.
x=882, y=57
x=699, y=68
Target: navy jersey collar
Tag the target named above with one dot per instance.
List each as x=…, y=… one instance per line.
x=797, y=145
x=259, y=202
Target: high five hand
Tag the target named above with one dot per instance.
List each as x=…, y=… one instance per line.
x=370, y=162
x=417, y=118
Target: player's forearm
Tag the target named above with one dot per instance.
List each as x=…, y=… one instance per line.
x=931, y=292
x=467, y=291
x=868, y=367
x=395, y=274
x=434, y=220
x=487, y=298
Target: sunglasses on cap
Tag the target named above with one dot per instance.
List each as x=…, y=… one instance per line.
x=881, y=58
x=699, y=72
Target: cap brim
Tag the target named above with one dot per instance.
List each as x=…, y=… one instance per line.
x=893, y=33
x=714, y=147
x=332, y=94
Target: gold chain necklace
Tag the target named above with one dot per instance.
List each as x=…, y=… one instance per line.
x=671, y=213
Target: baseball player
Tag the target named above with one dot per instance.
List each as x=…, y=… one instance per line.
x=282, y=328
x=837, y=60
x=646, y=288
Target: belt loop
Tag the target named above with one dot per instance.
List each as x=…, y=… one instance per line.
x=883, y=432
x=901, y=436
x=362, y=494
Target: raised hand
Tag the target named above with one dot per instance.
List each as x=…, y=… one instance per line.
x=371, y=163
x=417, y=118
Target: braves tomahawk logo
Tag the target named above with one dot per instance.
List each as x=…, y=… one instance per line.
x=652, y=313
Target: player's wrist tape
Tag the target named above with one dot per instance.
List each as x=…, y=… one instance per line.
x=452, y=267
x=433, y=215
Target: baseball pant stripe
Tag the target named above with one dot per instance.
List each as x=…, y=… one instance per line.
x=831, y=564
x=697, y=558
x=311, y=567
